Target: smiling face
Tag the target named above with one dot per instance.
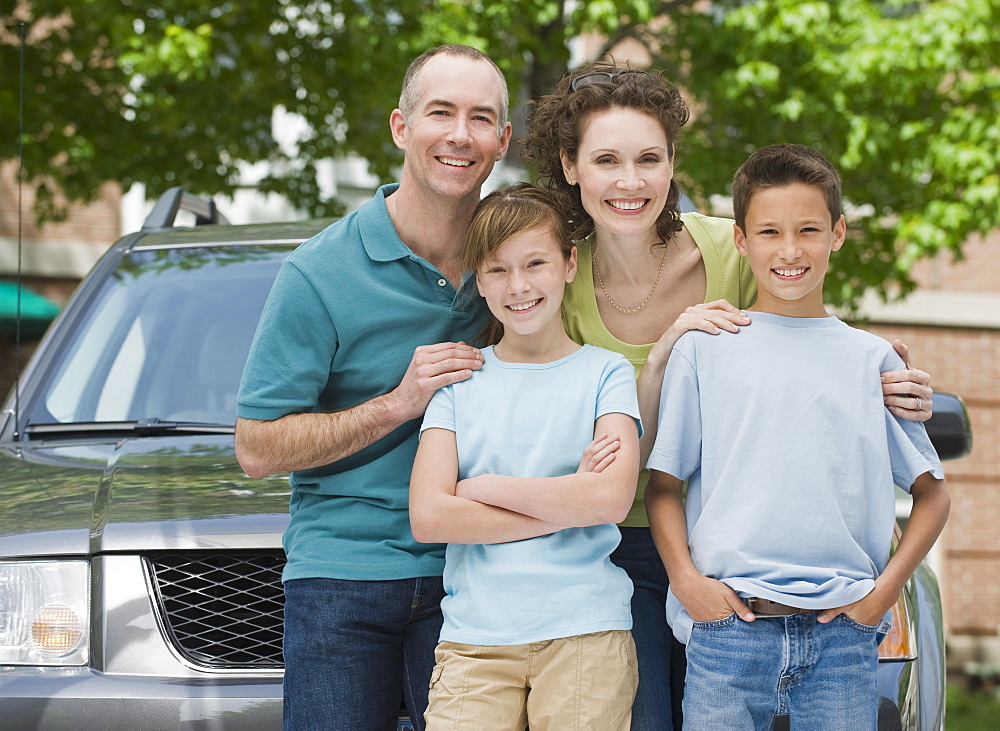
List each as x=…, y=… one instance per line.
x=788, y=240
x=624, y=167
x=454, y=134
x=523, y=283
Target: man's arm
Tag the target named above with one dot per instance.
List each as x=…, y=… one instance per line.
x=580, y=499
x=437, y=515
x=931, y=505
x=307, y=440
x=704, y=599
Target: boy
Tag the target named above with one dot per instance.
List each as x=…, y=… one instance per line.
x=779, y=572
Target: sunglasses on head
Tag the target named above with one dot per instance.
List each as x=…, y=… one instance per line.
x=601, y=77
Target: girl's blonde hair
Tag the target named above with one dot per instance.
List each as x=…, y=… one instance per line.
x=499, y=217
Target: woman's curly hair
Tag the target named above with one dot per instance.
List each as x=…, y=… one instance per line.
x=556, y=122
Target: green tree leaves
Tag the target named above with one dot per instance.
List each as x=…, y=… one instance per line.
x=903, y=96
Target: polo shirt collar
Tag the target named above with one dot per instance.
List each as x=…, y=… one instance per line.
x=377, y=232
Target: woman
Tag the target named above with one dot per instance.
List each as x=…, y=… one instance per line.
x=604, y=143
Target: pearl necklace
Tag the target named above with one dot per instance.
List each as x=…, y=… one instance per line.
x=630, y=310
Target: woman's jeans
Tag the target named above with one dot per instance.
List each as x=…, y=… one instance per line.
x=653, y=638
x=353, y=649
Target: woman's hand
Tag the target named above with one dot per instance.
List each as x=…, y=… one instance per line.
x=712, y=317
x=599, y=453
x=908, y=393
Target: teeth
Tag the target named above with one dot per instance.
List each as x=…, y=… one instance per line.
x=456, y=163
x=524, y=305
x=790, y=272
x=627, y=206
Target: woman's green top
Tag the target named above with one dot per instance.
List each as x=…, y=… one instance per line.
x=728, y=277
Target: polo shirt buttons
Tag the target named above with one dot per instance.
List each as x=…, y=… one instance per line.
x=442, y=282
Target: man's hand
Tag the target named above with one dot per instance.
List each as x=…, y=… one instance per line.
x=302, y=441
x=599, y=453
x=433, y=367
x=708, y=599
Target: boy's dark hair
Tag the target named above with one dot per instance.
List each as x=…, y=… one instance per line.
x=780, y=165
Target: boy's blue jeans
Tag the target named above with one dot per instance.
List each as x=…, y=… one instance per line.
x=353, y=649
x=740, y=675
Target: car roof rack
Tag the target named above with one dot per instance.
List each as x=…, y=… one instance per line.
x=177, y=199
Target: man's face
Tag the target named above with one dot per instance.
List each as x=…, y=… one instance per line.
x=455, y=134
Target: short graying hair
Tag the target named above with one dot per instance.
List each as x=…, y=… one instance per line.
x=411, y=92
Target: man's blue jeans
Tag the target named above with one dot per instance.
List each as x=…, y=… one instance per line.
x=353, y=649
x=637, y=554
x=740, y=675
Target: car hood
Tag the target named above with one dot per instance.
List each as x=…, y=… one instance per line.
x=134, y=494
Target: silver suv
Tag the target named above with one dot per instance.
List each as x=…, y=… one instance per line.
x=139, y=567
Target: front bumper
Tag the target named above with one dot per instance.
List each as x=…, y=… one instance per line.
x=136, y=678
x=75, y=698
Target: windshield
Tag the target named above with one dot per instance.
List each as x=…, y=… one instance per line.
x=165, y=337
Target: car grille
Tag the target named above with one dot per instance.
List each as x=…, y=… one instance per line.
x=221, y=609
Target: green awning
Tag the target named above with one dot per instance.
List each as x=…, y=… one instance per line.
x=37, y=311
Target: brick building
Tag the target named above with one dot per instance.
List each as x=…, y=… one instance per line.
x=952, y=325
x=54, y=257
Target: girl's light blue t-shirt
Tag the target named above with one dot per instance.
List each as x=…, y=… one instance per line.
x=534, y=420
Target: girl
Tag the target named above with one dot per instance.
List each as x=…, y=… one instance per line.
x=536, y=617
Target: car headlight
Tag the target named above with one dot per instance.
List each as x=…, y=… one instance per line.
x=899, y=644
x=44, y=616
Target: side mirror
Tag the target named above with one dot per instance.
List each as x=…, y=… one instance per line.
x=949, y=427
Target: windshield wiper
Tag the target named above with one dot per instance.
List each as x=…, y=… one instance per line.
x=143, y=428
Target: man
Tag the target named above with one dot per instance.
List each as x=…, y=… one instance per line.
x=365, y=321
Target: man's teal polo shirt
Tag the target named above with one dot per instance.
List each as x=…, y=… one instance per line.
x=347, y=309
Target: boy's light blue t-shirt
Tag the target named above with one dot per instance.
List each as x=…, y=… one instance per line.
x=534, y=420
x=790, y=457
